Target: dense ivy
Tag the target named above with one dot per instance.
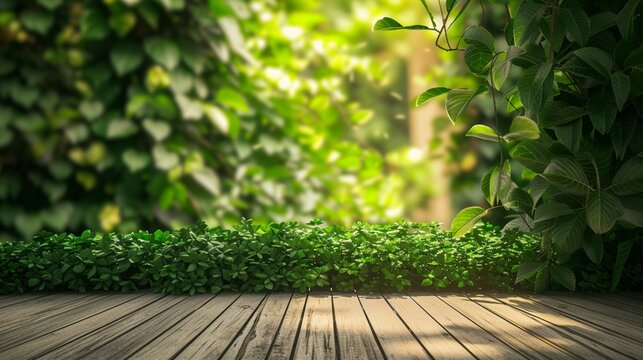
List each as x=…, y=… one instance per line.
x=572, y=75
x=129, y=114
x=279, y=256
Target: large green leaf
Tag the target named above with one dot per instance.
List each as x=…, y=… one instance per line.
x=483, y=132
x=564, y=276
x=602, y=113
x=622, y=133
x=479, y=35
x=576, y=23
x=164, y=51
x=135, y=160
x=93, y=25
x=478, y=58
x=567, y=173
x=522, y=128
x=466, y=219
x=164, y=159
x=633, y=211
x=502, y=65
x=628, y=180
x=528, y=270
x=601, y=21
x=208, y=179
x=388, y=24
x=459, y=99
x=603, y=210
x=593, y=246
x=430, y=94
x=570, y=135
x=126, y=57
x=556, y=113
x=525, y=22
x=535, y=86
x=37, y=20
x=623, y=252
x=533, y=155
x=621, y=88
x=158, y=130
x=625, y=19
x=568, y=231
x=597, y=59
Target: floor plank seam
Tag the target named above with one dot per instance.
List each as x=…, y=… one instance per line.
x=281, y=322
x=240, y=331
x=301, y=321
x=335, y=332
x=370, y=325
x=407, y=326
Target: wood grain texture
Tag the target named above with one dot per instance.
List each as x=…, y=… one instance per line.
x=286, y=337
x=622, y=302
x=41, y=309
x=216, y=338
x=476, y=339
x=19, y=300
x=396, y=339
x=615, y=311
x=172, y=341
x=355, y=337
x=317, y=335
x=256, y=338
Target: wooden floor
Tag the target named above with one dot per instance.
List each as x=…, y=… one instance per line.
x=321, y=325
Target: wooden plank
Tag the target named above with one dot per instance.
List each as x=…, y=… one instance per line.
x=594, y=317
x=474, y=338
x=42, y=309
x=84, y=345
x=19, y=299
x=35, y=328
x=523, y=342
x=127, y=344
x=623, y=302
x=216, y=338
x=439, y=342
x=614, y=311
x=44, y=344
x=256, y=338
x=569, y=324
x=172, y=341
x=355, y=337
x=286, y=337
x=571, y=343
x=317, y=335
x=396, y=339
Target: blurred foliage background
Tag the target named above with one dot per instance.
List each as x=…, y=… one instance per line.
x=128, y=114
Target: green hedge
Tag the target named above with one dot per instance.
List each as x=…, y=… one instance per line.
x=280, y=256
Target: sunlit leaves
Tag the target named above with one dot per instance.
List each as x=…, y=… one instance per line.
x=480, y=50
x=466, y=219
x=603, y=210
x=430, y=94
x=522, y=128
x=483, y=132
x=459, y=99
x=163, y=50
x=388, y=24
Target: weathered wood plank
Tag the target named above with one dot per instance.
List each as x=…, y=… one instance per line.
x=256, y=338
x=395, y=338
x=171, y=342
x=571, y=343
x=610, y=340
x=355, y=337
x=127, y=344
x=623, y=302
x=317, y=335
x=84, y=345
x=476, y=339
x=523, y=342
x=41, y=309
x=19, y=299
x=434, y=338
x=616, y=311
x=286, y=337
x=35, y=328
x=216, y=338
x=596, y=318
x=52, y=340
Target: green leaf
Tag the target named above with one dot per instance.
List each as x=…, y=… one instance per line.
x=388, y=24
x=163, y=158
x=466, y=219
x=522, y=128
x=93, y=25
x=173, y=4
x=126, y=57
x=623, y=252
x=28, y=224
x=621, y=88
x=535, y=86
x=625, y=19
x=570, y=135
x=602, y=113
x=120, y=128
x=628, y=180
x=517, y=199
x=122, y=22
x=622, y=133
x=37, y=20
x=556, y=113
x=208, y=179
x=483, y=132
x=485, y=185
x=91, y=109
x=478, y=58
x=597, y=59
x=502, y=66
x=79, y=268
x=135, y=160
x=533, y=155
x=427, y=282
x=525, y=22
x=564, y=276
x=24, y=95
x=528, y=270
x=459, y=99
x=33, y=282
x=568, y=231
x=158, y=130
x=50, y=4
x=601, y=21
x=603, y=210
x=475, y=35
x=217, y=117
x=430, y=94
x=232, y=99
x=593, y=246
x=567, y=173
x=576, y=23
x=163, y=50
x=633, y=211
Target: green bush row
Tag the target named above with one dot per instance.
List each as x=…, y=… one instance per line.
x=280, y=256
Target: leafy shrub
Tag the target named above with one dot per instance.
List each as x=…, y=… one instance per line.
x=274, y=257
x=572, y=75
